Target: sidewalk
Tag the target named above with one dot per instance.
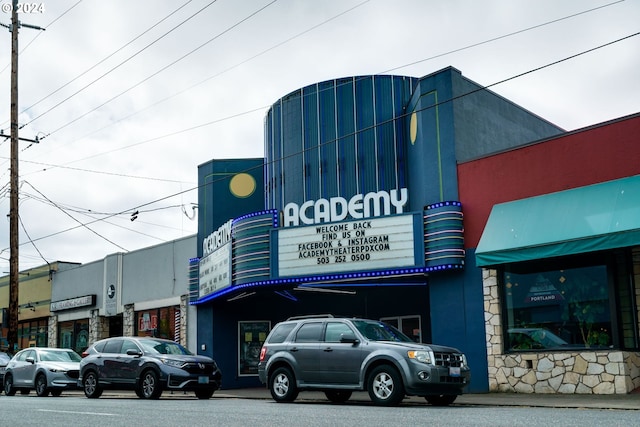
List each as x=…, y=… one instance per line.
x=592, y=401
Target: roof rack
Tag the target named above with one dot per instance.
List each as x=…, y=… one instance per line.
x=311, y=316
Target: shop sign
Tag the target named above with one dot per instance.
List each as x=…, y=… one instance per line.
x=68, y=304
x=360, y=206
x=148, y=322
x=377, y=243
x=218, y=238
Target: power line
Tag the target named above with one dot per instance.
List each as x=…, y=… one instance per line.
x=111, y=55
x=74, y=219
x=120, y=64
x=39, y=33
x=284, y=42
x=224, y=71
x=154, y=74
x=482, y=88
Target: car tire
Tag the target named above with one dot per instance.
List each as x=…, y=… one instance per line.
x=282, y=385
x=338, y=396
x=385, y=386
x=91, y=385
x=204, y=394
x=441, y=400
x=149, y=385
x=9, y=389
x=41, y=386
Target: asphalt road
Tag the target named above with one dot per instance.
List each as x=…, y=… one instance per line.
x=185, y=410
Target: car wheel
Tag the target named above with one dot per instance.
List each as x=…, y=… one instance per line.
x=9, y=390
x=338, y=396
x=282, y=385
x=41, y=386
x=91, y=386
x=441, y=400
x=150, y=386
x=385, y=386
x=56, y=393
x=204, y=394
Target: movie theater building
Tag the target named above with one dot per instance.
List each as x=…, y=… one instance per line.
x=355, y=210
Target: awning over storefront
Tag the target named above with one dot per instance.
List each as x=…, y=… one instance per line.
x=586, y=219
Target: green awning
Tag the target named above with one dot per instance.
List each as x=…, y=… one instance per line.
x=586, y=219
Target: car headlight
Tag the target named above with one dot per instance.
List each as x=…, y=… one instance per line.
x=464, y=360
x=174, y=363
x=57, y=370
x=423, y=356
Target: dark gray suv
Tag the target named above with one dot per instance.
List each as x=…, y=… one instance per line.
x=147, y=365
x=342, y=355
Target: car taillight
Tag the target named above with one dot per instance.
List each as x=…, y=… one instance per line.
x=263, y=352
x=84, y=354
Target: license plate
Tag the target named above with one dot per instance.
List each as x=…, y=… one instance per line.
x=454, y=371
x=203, y=380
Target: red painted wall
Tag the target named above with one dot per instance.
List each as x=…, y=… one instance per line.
x=596, y=154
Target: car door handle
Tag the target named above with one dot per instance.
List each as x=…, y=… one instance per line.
x=328, y=349
x=294, y=349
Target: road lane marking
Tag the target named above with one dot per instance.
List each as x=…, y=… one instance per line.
x=78, y=412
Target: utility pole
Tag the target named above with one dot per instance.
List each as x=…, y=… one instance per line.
x=14, y=268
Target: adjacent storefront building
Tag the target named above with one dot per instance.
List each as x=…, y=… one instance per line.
x=557, y=227
x=142, y=292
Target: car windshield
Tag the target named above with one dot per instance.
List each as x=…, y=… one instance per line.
x=59, y=356
x=163, y=347
x=379, y=331
x=4, y=358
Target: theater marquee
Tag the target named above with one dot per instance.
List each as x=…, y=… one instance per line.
x=370, y=244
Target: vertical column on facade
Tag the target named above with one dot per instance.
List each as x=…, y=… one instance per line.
x=128, y=319
x=493, y=325
x=183, y=320
x=53, y=331
x=98, y=326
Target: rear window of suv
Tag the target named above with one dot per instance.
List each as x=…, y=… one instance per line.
x=309, y=332
x=280, y=333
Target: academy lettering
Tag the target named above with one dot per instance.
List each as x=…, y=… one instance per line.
x=338, y=208
x=216, y=239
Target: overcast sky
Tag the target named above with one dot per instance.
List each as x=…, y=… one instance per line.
x=130, y=96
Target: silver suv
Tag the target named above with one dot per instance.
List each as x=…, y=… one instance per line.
x=342, y=355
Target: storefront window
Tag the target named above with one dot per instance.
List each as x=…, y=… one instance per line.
x=251, y=337
x=33, y=333
x=572, y=306
x=74, y=335
x=159, y=323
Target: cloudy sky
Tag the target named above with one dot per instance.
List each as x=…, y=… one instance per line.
x=129, y=97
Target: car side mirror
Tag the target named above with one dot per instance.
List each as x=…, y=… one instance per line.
x=31, y=360
x=349, y=338
x=134, y=352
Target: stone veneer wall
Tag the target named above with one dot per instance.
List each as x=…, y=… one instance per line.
x=595, y=372
x=52, y=340
x=128, y=321
x=183, y=319
x=98, y=326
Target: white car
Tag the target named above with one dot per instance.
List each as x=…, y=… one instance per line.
x=45, y=370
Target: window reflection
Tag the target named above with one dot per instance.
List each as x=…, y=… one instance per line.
x=558, y=309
